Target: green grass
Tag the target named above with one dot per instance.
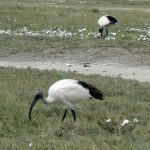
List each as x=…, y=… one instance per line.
x=71, y=16
x=37, y=16
x=124, y=99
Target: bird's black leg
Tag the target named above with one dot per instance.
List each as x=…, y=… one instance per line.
x=64, y=115
x=101, y=31
x=106, y=31
x=106, y=34
x=73, y=114
x=102, y=34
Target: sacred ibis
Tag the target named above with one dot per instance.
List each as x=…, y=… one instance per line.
x=68, y=92
x=104, y=22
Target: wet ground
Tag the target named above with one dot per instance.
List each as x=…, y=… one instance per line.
x=103, y=61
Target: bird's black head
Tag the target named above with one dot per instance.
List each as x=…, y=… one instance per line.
x=37, y=96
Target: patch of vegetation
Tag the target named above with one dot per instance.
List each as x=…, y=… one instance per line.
x=124, y=99
x=38, y=17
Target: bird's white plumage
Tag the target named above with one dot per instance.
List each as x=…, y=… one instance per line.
x=103, y=21
x=67, y=91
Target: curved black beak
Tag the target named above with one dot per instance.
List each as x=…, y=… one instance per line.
x=36, y=98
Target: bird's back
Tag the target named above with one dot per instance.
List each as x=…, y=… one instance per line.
x=62, y=84
x=73, y=91
x=112, y=20
x=107, y=20
x=94, y=92
x=103, y=21
x=68, y=89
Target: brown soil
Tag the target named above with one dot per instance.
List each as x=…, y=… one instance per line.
x=105, y=61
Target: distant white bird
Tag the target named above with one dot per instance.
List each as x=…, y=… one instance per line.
x=104, y=22
x=68, y=92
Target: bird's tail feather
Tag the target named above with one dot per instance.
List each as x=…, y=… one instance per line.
x=94, y=92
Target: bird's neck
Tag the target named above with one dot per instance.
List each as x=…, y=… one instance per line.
x=45, y=100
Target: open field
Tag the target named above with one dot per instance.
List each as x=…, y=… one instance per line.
x=68, y=32
x=63, y=32
x=37, y=27
x=124, y=99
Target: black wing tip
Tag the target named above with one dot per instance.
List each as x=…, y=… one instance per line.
x=97, y=94
x=93, y=91
x=101, y=97
x=83, y=84
x=112, y=19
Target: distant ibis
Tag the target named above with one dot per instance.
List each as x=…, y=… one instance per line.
x=104, y=22
x=68, y=92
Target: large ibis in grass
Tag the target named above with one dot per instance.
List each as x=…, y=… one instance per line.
x=105, y=22
x=68, y=92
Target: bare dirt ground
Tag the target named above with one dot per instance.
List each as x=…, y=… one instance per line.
x=104, y=61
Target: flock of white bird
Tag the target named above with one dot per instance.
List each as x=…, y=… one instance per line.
x=70, y=91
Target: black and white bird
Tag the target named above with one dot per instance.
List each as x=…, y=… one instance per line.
x=104, y=22
x=68, y=92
